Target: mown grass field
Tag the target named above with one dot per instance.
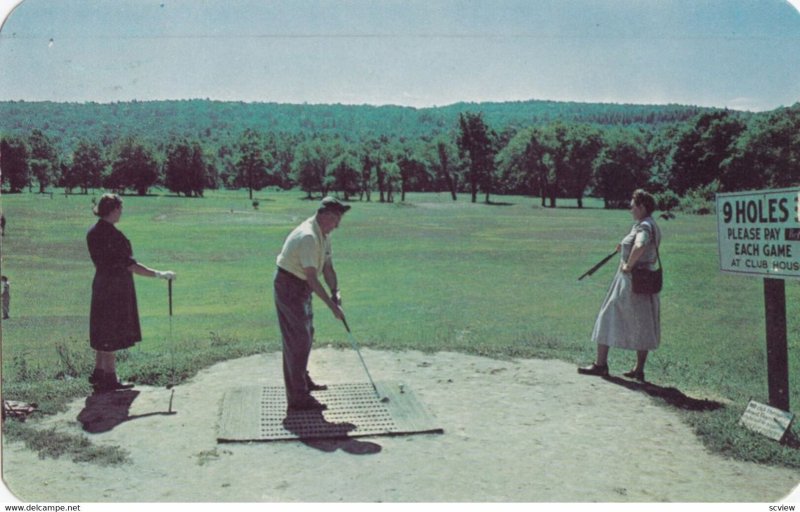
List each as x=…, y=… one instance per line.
x=428, y=274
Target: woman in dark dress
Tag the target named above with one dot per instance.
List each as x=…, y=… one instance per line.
x=114, y=317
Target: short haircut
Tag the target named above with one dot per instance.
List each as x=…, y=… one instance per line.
x=107, y=204
x=643, y=198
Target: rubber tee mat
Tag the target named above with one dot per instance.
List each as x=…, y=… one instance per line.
x=258, y=413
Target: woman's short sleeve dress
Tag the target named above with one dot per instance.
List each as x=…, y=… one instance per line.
x=626, y=319
x=114, y=317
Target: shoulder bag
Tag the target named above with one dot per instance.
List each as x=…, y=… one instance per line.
x=646, y=281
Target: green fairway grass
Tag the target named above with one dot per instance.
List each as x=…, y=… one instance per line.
x=429, y=274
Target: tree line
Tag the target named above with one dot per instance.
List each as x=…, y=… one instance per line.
x=713, y=150
x=218, y=122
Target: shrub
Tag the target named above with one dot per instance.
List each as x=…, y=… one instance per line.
x=667, y=200
x=701, y=200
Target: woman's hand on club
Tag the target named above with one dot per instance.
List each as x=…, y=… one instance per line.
x=166, y=274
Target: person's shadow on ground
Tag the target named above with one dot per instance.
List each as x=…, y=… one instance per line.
x=313, y=430
x=104, y=411
x=672, y=396
x=676, y=398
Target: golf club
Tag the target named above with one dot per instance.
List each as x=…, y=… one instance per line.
x=171, y=384
x=355, y=346
x=594, y=268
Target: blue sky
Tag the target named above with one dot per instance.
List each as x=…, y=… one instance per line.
x=742, y=54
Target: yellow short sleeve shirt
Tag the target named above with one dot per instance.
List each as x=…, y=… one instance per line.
x=305, y=246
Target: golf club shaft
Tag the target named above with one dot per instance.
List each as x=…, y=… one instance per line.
x=355, y=346
x=594, y=268
x=171, y=347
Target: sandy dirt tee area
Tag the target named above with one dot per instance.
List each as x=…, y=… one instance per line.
x=514, y=431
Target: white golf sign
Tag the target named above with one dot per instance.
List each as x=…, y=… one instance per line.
x=759, y=233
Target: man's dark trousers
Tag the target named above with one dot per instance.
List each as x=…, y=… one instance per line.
x=296, y=320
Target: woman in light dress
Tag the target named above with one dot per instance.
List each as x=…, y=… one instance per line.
x=629, y=320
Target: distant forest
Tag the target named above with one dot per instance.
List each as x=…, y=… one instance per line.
x=546, y=149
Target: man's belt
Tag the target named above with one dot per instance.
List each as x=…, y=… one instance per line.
x=289, y=274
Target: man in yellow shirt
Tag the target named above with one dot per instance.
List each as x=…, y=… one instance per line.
x=306, y=254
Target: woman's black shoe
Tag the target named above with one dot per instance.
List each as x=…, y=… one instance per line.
x=634, y=374
x=117, y=386
x=108, y=382
x=594, y=369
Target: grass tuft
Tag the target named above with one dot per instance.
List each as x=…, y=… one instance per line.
x=50, y=443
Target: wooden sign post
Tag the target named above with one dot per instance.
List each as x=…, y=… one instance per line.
x=759, y=235
x=777, y=351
